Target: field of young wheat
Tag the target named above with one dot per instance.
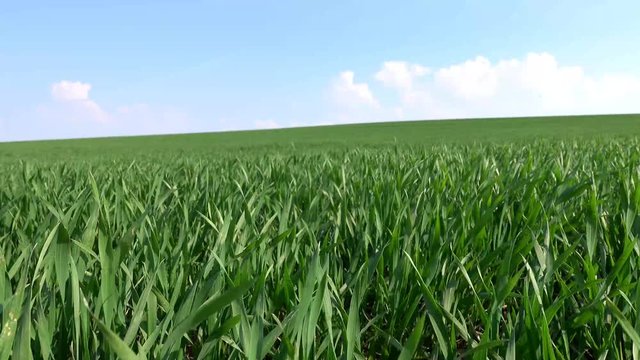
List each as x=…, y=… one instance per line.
x=397, y=251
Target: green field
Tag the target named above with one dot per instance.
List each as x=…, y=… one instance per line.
x=420, y=133
x=501, y=239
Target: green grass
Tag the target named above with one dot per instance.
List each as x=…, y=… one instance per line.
x=523, y=245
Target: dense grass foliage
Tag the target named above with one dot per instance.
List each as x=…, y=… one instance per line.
x=480, y=251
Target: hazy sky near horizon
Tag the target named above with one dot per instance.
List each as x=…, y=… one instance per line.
x=73, y=68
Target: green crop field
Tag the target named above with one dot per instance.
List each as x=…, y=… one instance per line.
x=501, y=239
x=420, y=133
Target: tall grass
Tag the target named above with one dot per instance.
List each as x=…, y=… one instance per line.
x=480, y=251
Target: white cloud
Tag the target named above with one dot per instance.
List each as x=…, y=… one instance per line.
x=72, y=99
x=73, y=113
x=471, y=80
x=70, y=90
x=347, y=92
x=400, y=74
x=534, y=85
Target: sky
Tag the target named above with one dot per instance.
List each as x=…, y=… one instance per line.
x=78, y=68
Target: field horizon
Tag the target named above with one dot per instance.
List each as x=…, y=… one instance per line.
x=411, y=132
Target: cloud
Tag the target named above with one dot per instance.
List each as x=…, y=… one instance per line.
x=70, y=90
x=471, y=80
x=347, y=92
x=72, y=113
x=534, y=85
x=400, y=74
x=72, y=99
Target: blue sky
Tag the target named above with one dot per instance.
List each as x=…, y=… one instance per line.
x=76, y=68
